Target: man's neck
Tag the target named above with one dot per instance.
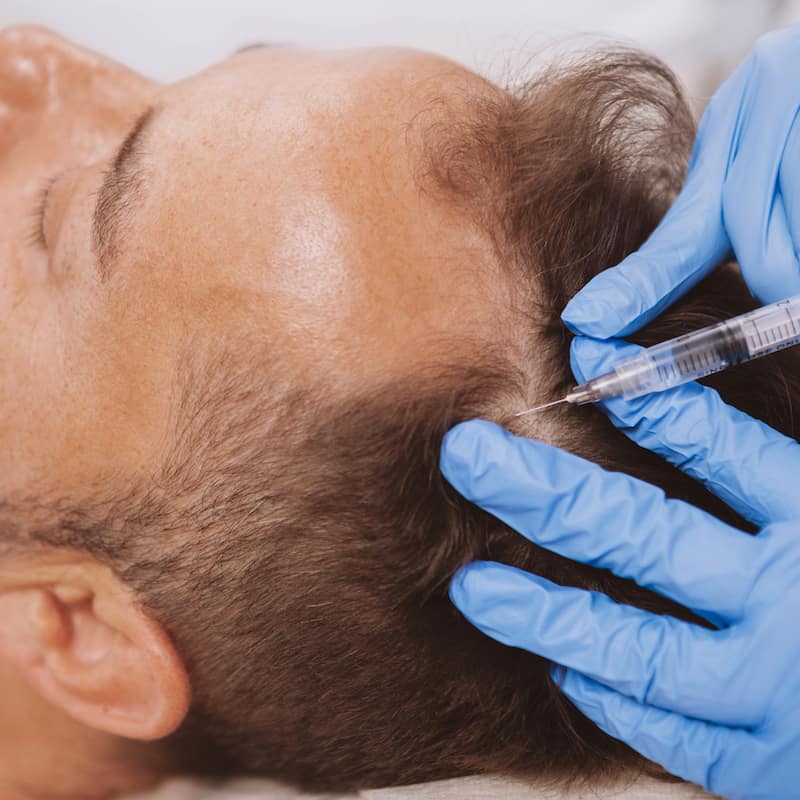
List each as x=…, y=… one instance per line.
x=45, y=755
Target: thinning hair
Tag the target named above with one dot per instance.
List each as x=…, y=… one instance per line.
x=298, y=546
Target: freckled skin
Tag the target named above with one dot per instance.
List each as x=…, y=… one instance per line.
x=281, y=204
x=281, y=207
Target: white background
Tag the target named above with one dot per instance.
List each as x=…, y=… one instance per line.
x=167, y=39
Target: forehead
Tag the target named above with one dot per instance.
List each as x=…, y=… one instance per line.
x=289, y=186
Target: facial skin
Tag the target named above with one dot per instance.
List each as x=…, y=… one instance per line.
x=279, y=202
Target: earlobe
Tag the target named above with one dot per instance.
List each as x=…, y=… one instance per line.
x=97, y=655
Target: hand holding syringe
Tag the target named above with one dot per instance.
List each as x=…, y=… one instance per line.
x=720, y=708
x=693, y=355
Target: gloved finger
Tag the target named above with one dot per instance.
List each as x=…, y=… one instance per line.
x=692, y=749
x=771, y=269
x=657, y=660
x=738, y=458
x=688, y=243
x=753, y=210
x=611, y=520
x=789, y=183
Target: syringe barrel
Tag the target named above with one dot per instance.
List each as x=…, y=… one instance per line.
x=700, y=353
x=772, y=327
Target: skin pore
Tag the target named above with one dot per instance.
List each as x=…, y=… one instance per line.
x=274, y=198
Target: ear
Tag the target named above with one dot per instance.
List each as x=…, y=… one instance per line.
x=79, y=637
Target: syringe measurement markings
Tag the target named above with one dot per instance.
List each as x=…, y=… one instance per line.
x=752, y=336
x=698, y=361
x=756, y=337
x=763, y=346
x=766, y=337
x=667, y=373
x=695, y=362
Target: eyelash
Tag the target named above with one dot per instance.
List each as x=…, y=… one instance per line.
x=37, y=236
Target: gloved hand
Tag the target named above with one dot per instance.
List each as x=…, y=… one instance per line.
x=742, y=192
x=717, y=707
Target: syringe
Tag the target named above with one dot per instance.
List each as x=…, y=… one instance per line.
x=693, y=355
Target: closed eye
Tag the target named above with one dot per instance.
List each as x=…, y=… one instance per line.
x=36, y=236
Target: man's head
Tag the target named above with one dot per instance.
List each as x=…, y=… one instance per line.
x=261, y=220
x=270, y=203
x=228, y=363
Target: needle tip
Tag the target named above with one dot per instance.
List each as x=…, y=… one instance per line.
x=537, y=409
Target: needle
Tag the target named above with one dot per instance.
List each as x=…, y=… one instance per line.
x=537, y=409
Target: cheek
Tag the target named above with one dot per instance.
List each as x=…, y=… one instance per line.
x=79, y=403
x=30, y=357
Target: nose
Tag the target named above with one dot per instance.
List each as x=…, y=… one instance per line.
x=45, y=78
x=37, y=66
x=22, y=72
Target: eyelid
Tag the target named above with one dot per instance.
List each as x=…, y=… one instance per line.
x=39, y=212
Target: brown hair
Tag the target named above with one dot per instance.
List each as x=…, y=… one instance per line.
x=299, y=550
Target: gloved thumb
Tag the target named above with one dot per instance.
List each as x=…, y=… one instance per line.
x=688, y=243
x=686, y=246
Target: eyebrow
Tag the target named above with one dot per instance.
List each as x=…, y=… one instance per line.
x=121, y=191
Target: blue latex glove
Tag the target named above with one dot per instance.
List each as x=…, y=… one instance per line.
x=721, y=707
x=742, y=193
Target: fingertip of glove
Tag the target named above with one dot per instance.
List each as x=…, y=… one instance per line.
x=588, y=317
x=457, y=589
x=557, y=673
x=609, y=305
x=573, y=685
x=463, y=452
x=590, y=357
x=587, y=356
x=470, y=583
